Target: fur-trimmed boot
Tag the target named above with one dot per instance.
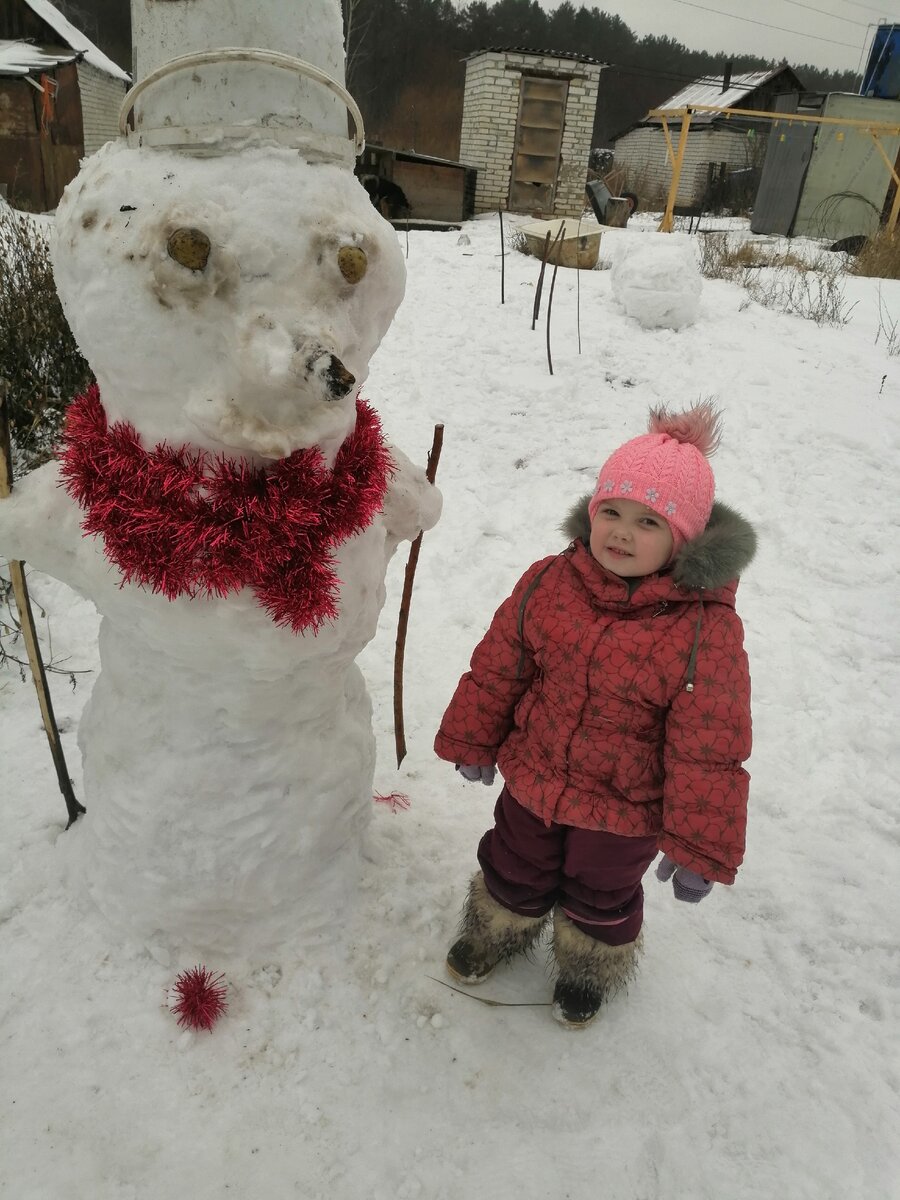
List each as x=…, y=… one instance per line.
x=489, y=934
x=589, y=971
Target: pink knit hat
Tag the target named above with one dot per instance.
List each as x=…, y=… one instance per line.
x=666, y=469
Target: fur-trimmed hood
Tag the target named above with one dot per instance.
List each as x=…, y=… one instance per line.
x=721, y=553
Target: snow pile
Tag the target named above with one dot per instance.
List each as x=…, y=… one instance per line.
x=657, y=281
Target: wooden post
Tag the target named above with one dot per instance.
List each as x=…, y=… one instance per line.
x=895, y=207
x=665, y=225
x=668, y=136
x=26, y=617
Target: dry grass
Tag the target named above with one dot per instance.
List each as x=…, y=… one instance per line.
x=38, y=355
x=721, y=257
x=779, y=279
x=880, y=257
x=888, y=329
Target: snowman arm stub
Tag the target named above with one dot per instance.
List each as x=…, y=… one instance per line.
x=412, y=505
x=40, y=525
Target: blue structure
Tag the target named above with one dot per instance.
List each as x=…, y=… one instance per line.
x=882, y=75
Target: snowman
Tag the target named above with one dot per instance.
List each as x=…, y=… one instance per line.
x=225, y=497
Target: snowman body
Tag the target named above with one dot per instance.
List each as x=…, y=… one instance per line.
x=228, y=761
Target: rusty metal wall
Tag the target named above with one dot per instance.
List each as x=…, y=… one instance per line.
x=788, y=153
x=39, y=156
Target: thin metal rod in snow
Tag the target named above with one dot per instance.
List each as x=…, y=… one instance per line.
x=29, y=633
x=540, y=283
x=578, y=286
x=502, y=261
x=550, y=299
x=548, y=250
x=434, y=456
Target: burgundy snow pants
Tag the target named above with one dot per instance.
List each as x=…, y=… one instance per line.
x=594, y=876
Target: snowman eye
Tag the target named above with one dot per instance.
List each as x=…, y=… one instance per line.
x=353, y=263
x=190, y=248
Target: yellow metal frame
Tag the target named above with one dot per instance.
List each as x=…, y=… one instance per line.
x=676, y=158
x=665, y=226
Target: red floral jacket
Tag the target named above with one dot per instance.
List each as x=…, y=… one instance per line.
x=629, y=713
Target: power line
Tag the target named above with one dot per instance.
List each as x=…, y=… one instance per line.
x=866, y=7
x=764, y=24
x=823, y=13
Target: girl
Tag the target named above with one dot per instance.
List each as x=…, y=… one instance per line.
x=612, y=692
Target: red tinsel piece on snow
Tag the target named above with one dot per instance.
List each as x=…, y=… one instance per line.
x=185, y=522
x=201, y=998
x=395, y=801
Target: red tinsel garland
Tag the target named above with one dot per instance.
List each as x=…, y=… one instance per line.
x=185, y=522
x=198, y=998
x=395, y=801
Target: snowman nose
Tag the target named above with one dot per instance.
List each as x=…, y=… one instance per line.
x=339, y=379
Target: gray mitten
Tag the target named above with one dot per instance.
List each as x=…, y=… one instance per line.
x=483, y=775
x=687, y=885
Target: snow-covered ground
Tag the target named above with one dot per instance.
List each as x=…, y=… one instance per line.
x=757, y=1054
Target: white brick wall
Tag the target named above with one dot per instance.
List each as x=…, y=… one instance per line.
x=101, y=98
x=642, y=155
x=490, y=112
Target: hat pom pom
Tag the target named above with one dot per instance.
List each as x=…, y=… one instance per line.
x=700, y=426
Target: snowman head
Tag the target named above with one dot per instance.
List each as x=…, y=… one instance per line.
x=222, y=269
x=232, y=301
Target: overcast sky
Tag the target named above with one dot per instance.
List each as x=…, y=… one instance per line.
x=826, y=33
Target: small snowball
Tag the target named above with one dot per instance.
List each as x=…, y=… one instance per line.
x=437, y=1021
x=658, y=282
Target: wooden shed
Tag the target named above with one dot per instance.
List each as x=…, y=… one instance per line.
x=59, y=101
x=430, y=191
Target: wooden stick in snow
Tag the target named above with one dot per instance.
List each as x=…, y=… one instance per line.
x=29, y=633
x=434, y=455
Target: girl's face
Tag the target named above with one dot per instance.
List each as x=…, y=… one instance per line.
x=630, y=539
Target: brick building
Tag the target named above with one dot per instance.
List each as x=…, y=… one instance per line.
x=527, y=123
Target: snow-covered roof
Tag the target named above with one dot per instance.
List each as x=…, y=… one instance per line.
x=21, y=58
x=709, y=90
x=72, y=37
